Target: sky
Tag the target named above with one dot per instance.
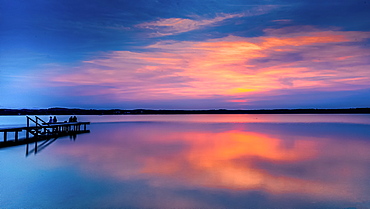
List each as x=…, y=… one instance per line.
x=185, y=54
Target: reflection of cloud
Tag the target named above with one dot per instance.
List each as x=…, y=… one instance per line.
x=231, y=66
x=231, y=159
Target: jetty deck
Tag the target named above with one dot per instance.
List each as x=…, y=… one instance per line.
x=40, y=130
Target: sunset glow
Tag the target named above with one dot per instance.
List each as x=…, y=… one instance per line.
x=191, y=60
x=223, y=67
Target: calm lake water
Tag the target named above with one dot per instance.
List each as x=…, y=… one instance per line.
x=194, y=161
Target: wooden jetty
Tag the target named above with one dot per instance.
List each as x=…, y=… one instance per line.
x=38, y=130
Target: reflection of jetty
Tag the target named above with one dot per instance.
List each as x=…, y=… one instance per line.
x=40, y=130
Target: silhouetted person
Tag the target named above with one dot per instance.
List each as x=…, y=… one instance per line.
x=70, y=119
x=55, y=120
x=50, y=120
x=74, y=119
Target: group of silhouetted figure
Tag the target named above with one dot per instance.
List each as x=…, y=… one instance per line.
x=55, y=120
x=72, y=119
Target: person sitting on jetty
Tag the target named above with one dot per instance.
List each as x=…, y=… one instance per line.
x=55, y=120
x=70, y=119
x=50, y=120
x=74, y=119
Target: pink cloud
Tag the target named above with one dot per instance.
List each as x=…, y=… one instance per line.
x=231, y=66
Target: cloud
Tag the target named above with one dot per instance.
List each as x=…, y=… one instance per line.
x=172, y=26
x=234, y=68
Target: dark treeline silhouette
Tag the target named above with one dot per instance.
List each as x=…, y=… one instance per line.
x=67, y=111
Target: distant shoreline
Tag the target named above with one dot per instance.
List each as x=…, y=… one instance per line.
x=67, y=111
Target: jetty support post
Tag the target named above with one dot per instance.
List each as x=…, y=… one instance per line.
x=27, y=147
x=35, y=147
x=16, y=135
x=27, y=130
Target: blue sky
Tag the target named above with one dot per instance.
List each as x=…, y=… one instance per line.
x=193, y=54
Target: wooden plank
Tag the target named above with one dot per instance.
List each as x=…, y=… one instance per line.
x=43, y=126
x=36, y=139
x=16, y=136
x=12, y=129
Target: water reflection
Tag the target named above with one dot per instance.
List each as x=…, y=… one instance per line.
x=38, y=146
x=228, y=165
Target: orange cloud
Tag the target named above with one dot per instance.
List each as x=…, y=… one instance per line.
x=231, y=66
x=314, y=38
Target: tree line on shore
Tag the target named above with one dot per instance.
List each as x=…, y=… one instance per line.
x=68, y=111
